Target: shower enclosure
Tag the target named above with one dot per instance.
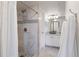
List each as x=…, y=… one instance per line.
x=30, y=43
x=28, y=30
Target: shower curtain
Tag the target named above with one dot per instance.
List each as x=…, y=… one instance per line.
x=8, y=29
x=68, y=44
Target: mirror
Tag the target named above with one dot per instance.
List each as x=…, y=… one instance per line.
x=54, y=24
x=54, y=27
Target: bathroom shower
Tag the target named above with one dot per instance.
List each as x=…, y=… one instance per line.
x=28, y=31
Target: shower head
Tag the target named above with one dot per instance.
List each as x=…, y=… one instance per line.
x=24, y=10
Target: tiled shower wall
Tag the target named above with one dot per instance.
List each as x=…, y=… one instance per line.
x=28, y=15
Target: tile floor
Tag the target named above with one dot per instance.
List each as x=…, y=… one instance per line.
x=46, y=52
x=49, y=52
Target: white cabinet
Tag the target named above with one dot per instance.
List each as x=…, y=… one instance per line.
x=52, y=40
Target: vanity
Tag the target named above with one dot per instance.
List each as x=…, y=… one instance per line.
x=53, y=32
x=52, y=36
x=52, y=40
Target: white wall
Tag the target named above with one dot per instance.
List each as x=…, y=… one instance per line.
x=46, y=9
x=74, y=5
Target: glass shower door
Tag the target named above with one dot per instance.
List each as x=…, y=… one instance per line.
x=31, y=39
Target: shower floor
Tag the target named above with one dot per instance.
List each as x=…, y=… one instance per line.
x=49, y=52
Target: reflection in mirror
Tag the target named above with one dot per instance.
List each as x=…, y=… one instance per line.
x=54, y=24
x=54, y=27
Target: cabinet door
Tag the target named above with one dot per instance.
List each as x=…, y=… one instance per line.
x=52, y=41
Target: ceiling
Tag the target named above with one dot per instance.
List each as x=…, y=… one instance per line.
x=39, y=3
